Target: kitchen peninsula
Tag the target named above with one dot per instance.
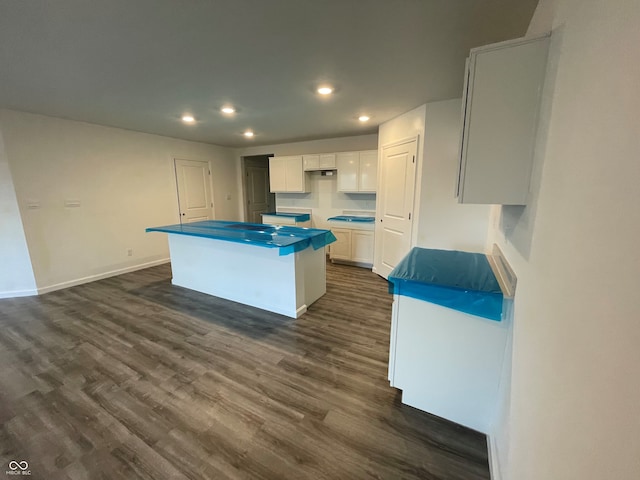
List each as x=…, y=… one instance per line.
x=281, y=269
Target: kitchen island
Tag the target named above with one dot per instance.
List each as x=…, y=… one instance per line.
x=276, y=268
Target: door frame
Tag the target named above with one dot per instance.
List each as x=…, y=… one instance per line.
x=245, y=159
x=415, y=201
x=175, y=178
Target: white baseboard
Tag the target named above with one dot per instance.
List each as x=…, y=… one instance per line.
x=100, y=276
x=18, y=293
x=494, y=462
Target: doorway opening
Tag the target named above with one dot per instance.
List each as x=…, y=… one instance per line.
x=258, y=198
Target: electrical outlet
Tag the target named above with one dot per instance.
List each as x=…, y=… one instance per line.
x=130, y=252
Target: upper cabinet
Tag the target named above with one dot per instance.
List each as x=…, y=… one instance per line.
x=286, y=175
x=357, y=171
x=501, y=100
x=323, y=161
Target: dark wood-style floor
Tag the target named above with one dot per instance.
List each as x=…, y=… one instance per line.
x=131, y=377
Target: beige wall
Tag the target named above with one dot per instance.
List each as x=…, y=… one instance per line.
x=124, y=181
x=576, y=352
x=16, y=274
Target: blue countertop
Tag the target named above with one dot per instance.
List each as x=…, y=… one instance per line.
x=299, y=217
x=352, y=218
x=286, y=239
x=460, y=280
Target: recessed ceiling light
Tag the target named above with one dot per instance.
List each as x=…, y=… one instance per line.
x=326, y=90
x=364, y=118
x=228, y=110
x=188, y=119
x=248, y=134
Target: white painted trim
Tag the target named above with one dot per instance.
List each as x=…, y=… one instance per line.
x=100, y=276
x=402, y=141
x=18, y=293
x=494, y=461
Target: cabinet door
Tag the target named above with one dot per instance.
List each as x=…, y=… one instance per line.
x=327, y=161
x=310, y=162
x=347, y=164
x=362, y=246
x=368, y=174
x=277, y=174
x=295, y=174
x=502, y=102
x=341, y=248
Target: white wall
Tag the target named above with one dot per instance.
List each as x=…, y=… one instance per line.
x=443, y=222
x=328, y=145
x=124, y=181
x=324, y=200
x=576, y=347
x=16, y=274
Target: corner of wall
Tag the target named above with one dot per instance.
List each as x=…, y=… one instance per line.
x=17, y=278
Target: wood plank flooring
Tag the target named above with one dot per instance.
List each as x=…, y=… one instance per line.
x=133, y=378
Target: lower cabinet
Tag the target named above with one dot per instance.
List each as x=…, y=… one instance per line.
x=353, y=246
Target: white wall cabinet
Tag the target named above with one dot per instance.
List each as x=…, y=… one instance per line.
x=354, y=246
x=357, y=171
x=286, y=174
x=323, y=161
x=500, y=104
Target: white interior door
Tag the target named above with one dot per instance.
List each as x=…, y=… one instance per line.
x=395, y=205
x=194, y=190
x=259, y=199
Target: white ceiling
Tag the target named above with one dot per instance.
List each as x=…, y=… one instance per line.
x=141, y=64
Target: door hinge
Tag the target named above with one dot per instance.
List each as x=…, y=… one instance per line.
x=414, y=159
x=209, y=172
x=409, y=215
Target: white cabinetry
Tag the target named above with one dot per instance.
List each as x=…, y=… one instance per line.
x=286, y=174
x=362, y=247
x=458, y=382
x=353, y=246
x=501, y=100
x=323, y=161
x=357, y=171
x=341, y=248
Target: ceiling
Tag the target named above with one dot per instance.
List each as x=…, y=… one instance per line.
x=142, y=64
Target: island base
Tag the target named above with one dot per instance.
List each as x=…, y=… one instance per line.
x=249, y=274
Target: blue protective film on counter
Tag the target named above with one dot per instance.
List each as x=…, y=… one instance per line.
x=460, y=280
x=286, y=239
x=300, y=217
x=353, y=218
